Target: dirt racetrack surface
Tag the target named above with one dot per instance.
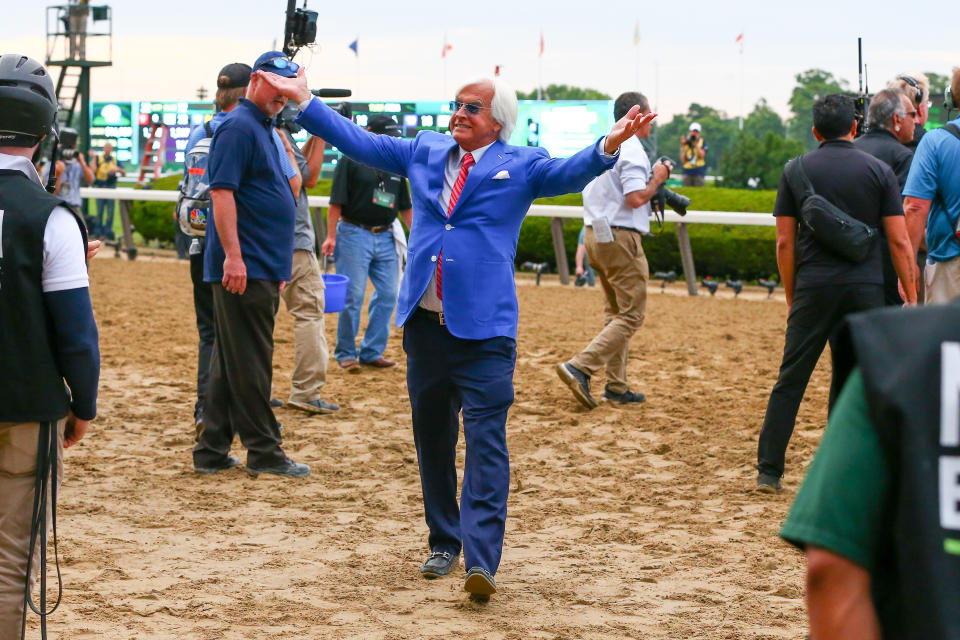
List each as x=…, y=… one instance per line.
x=623, y=523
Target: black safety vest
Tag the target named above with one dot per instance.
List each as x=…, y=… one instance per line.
x=31, y=386
x=911, y=371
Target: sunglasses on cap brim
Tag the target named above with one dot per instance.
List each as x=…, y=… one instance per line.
x=282, y=63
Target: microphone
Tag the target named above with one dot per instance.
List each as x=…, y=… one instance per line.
x=332, y=93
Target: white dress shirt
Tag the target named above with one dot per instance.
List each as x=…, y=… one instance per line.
x=605, y=196
x=451, y=171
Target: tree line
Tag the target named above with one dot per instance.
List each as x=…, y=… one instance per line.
x=753, y=157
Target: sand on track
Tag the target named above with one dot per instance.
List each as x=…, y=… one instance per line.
x=623, y=522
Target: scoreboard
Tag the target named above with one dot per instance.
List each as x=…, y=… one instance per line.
x=562, y=127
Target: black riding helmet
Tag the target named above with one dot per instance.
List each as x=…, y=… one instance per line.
x=28, y=102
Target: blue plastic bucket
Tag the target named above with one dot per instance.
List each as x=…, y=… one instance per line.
x=335, y=295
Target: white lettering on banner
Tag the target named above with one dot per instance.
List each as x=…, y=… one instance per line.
x=950, y=492
x=950, y=394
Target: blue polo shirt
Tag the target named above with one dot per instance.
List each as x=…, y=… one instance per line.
x=933, y=176
x=244, y=159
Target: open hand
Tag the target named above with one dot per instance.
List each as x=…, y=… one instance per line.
x=293, y=88
x=626, y=127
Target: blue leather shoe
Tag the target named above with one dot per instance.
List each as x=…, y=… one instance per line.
x=479, y=584
x=438, y=564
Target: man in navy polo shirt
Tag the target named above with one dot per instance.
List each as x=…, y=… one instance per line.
x=249, y=253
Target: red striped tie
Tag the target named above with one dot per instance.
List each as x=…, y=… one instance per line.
x=465, y=165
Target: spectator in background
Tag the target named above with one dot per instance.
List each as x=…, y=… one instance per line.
x=249, y=253
x=933, y=203
x=822, y=287
x=364, y=202
x=916, y=86
x=890, y=126
x=693, y=156
x=106, y=168
x=303, y=295
x=585, y=273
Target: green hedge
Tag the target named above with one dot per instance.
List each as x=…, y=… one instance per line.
x=720, y=251
x=154, y=220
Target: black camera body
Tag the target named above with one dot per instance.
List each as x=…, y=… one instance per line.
x=300, y=28
x=666, y=198
x=67, y=149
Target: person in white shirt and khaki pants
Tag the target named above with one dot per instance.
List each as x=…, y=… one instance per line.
x=616, y=214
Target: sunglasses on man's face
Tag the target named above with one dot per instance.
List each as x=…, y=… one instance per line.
x=283, y=63
x=470, y=108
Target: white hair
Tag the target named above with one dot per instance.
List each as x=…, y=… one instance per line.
x=503, y=108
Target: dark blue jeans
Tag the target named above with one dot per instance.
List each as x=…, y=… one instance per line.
x=105, y=209
x=447, y=375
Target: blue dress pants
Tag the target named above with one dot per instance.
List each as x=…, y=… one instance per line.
x=447, y=375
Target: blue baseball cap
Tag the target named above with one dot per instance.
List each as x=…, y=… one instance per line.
x=278, y=63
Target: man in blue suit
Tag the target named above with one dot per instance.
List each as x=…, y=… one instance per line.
x=458, y=302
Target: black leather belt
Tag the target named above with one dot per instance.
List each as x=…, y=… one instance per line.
x=372, y=229
x=613, y=226
x=432, y=316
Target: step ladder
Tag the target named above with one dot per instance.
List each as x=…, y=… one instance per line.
x=153, y=151
x=67, y=95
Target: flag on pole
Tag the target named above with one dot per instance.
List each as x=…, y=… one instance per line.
x=636, y=33
x=354, y=46
x=446, y=47
x=541, y=43
x=740, y=41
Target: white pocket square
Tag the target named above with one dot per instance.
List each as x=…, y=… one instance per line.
x=503, y=175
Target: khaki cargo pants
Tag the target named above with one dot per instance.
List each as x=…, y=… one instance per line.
x=18, y=457
x=303, y=296
x=622, y=269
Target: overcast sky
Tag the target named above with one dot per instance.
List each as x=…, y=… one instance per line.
x=166, y=50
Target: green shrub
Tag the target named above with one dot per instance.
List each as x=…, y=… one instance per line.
x=154, y=220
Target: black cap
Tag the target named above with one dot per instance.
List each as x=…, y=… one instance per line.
x=234, y=76
x=382, y=123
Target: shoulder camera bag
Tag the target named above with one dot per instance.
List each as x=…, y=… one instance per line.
x=833, y=228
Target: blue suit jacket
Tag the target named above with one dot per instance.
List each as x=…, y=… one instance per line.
x=479, y=239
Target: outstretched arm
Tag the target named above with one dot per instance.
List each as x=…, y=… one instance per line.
x=381, y=152
x=625, y=127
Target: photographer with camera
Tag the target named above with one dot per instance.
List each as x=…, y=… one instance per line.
x=106, y=168
x=616, y=214
x=827, y=276
x=693, y=157
x=72, y=170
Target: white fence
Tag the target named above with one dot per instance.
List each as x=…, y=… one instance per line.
x=555, y=213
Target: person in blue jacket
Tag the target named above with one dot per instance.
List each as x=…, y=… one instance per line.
x=458, y=301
